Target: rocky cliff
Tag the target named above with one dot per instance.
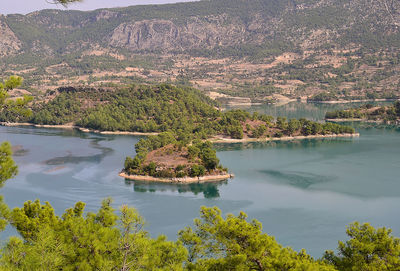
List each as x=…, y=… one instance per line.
x=195, y=33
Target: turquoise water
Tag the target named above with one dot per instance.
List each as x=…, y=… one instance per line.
x=304, y=192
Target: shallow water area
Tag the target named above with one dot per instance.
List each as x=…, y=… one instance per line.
x=304, y=192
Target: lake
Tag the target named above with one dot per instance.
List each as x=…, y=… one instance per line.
x=304, y=192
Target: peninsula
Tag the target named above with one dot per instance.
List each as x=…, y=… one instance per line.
x=368, y=113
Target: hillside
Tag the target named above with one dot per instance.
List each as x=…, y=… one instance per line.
x=246, y=48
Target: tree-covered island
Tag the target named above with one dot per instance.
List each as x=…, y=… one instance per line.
x=369, y=113
x=165, y=158
x=182, y=119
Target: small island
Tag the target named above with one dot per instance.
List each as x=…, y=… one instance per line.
x=163, y=158
x=368, y=113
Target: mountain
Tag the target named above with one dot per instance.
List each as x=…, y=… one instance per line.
x=247, y=48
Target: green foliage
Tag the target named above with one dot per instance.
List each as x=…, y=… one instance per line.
x=197, y=170
x=193, y=152
x=66, y=2
x=8, y=168
x=146, y=145
x=63, y=109
x=259, y=131
x=368, y=249
x=323, y=96
x=140, y=109
x=106, y=241
x=236, y=244
x=397, y=108
x=14, y=110
x=388, y=114
x=201, y=156
x=208, y=155
x=182, y=113
x=97, y=241
x=11, y=83
x=293, y=126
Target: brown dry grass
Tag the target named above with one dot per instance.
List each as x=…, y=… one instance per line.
x=168, y=156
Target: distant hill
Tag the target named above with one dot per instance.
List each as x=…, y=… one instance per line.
x=249, y=48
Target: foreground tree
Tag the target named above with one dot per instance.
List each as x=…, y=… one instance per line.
x=13, y=110
x=65, y=3
x=236, y=244
x=97, y=241
x=368, y=249
x=8, y=169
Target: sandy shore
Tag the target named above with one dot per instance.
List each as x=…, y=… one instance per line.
x=284, y=138
x=210, y=178
x=67, y=126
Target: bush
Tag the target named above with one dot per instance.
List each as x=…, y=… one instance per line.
x=197, y=170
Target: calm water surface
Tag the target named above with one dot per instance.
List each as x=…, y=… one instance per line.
x=304, y=192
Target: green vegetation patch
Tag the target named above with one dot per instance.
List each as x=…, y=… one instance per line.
x=164, y=156
x=387, y=114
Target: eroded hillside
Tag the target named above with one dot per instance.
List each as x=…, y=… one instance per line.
x=298, y=48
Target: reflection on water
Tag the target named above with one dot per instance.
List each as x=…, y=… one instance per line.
x=73, y=159
x=18, y=150
x=292, y=144
x=297, y=178
x=372, y=125
x=313, y=111
x=209, y=190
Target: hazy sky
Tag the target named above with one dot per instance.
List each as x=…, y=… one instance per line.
x=26, y=6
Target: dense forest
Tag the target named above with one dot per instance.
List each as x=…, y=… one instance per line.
x=108, y=240
x=159, y=108
x=368, y=112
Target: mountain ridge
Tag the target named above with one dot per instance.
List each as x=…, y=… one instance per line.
x=260, y=32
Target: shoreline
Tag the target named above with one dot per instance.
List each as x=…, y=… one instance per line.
x=352, y=101
x=346, y=120
x=284, y=138
x=71, y=127
x=397, y=122
x=184, y=180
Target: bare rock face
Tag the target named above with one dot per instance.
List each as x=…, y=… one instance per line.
x=195, y=33
x=9, y=43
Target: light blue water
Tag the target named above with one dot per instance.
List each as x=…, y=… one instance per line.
x=304, y=192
